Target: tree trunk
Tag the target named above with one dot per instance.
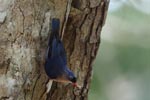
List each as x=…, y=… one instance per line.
x=24, y=31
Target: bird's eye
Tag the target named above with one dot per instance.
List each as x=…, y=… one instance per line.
x=73, y=79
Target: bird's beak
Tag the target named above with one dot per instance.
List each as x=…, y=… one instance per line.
x=76, y=85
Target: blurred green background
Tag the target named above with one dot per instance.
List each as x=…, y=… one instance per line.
x=122, y=67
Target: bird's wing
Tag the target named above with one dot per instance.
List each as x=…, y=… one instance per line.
x=62, y=53
x=54, y=48
x=53, y=67
x=57, y=50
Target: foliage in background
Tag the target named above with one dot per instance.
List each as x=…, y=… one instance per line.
x=122, y=67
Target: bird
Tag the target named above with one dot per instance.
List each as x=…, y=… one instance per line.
x=56, y=60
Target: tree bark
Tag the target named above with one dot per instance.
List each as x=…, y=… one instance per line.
x=24, y=31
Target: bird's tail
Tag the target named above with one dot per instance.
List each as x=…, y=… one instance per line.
x=55, y=25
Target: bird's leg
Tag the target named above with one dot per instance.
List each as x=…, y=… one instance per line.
x=49, y=85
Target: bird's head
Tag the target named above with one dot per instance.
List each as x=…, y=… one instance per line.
x=71, y=77
x=67, y=77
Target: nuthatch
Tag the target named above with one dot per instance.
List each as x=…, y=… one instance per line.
x=56, y=61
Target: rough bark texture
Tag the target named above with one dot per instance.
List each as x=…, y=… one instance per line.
x=24, y=31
